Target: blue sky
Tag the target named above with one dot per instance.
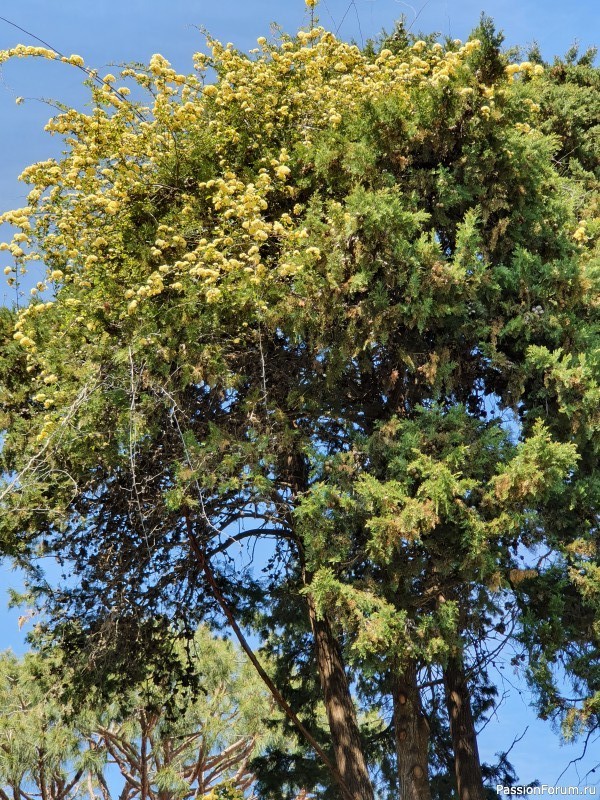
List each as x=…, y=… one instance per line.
x=132, y=30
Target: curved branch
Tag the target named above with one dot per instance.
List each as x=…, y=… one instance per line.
x=279, y=698
x=239, y=537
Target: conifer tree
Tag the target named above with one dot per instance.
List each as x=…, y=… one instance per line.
x=341, y=301
x=162, y=742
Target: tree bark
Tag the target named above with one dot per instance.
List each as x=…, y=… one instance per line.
x=467, y=766
x=411, y=732
x=341, y=713
x=144, y=780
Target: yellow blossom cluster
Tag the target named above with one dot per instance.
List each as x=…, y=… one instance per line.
x=316, y=81
x=524, y=68
x=229, y=234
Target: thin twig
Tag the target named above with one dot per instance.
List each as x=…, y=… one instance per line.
x=89, y=72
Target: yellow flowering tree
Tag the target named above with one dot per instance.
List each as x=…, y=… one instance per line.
x=277, y=298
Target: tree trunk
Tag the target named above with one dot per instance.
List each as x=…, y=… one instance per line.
x=462, y=730
x=411, y=735
x=341, y=713
x=144, y=782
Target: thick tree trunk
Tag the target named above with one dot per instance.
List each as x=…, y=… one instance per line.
x=341, y=713
x=411, y=735
x=462, y=730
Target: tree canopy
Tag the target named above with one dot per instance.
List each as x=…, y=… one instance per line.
x=51, y=751
x=343, y=303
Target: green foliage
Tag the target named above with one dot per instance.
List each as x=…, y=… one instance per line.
x=207, y=746
x=346, y=300
x=38, y=750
